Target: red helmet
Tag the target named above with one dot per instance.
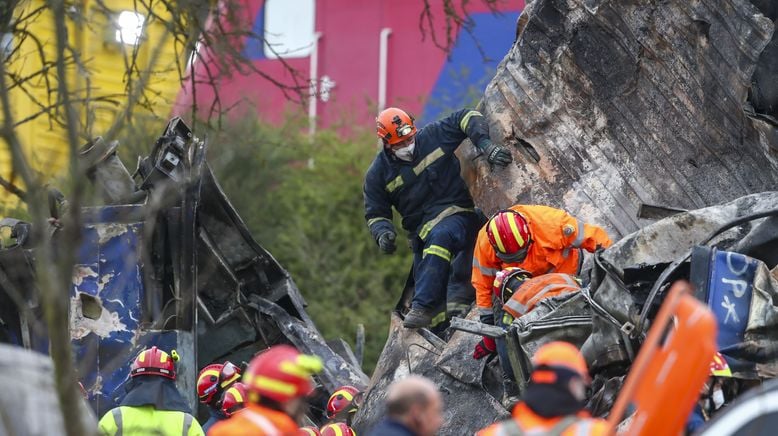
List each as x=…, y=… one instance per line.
x=281, y=373
x=214, y=379
x=308, y=431
x=155, y=362
x=341, y=400
x=234, y=399
x=208, y=383
x=394, y=125
x=508, y=232
x=507, y=281
x=337, y=429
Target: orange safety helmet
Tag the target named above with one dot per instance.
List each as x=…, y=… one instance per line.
x=342, y=398
x=337, y=429
x=281, y=373
x=308, y=431
x=559, y=355
x=394, y=125
x=508, y=281
x=234, y=399
x=154, y=361
x=508, y=232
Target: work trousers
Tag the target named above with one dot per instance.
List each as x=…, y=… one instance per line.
x=442, y=265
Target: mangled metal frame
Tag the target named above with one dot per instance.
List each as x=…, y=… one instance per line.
x=199, y=282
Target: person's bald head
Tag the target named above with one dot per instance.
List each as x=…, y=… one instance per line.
x=416, y=402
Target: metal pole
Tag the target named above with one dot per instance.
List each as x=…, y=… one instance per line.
x=383, y=54
x=313, y=78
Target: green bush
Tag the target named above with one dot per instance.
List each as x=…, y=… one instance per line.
x=302, y=200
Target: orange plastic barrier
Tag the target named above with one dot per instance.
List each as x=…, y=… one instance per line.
x=665, y=380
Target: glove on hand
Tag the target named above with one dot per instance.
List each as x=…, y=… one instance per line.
x=497, y=154
x=485, y=347
x=386, y=242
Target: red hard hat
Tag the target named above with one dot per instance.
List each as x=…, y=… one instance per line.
x=154, y=362
x=208, y=383
x=394, y=125
x=508, y=232
x=341, y=399
x=281, y=374
x=337, y=429
x=214, y=379
x=308, y=431
x=234, y=399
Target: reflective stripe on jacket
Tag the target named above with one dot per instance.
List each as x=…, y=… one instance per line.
x=525, y=422
x=556, y=237
x=426, y=188
x=145, y=420
x=255, y=420
x=536, y=289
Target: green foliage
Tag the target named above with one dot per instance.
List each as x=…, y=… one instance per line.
x=303, y=201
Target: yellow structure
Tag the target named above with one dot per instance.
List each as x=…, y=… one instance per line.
x=118, y=44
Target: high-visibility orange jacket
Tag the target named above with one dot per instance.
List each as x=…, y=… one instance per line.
x=555, y=236
x=255, y=420
x=537, y=288
x=525, y=421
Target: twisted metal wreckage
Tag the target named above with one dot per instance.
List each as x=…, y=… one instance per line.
x=620, y=112
x=166, y=262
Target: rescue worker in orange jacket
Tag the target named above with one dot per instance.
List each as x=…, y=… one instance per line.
x=277, y=380
x=517, y=292
x=554, y=401
x=537, y=239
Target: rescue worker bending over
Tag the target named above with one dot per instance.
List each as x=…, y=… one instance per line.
x=152, y=404
x=555, y=397
x=419, y=174
x=277, y=380
x=517, y=293
x=212, y=382
x=537, y=239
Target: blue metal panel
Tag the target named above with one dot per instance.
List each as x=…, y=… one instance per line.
x=109, y=269
x=729, y=294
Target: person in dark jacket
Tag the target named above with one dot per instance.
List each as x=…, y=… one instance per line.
x=419, y=174
x=413, y=408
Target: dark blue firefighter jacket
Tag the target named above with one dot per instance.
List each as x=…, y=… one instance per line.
x=429, y=188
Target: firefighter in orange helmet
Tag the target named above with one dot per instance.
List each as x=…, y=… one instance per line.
x=153, y=404
x=418, y=174
x=555, y=397
x=277, y=381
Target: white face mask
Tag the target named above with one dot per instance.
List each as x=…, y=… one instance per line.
x=718, y=398
x=405, y=153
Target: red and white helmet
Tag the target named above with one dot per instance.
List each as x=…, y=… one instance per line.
x=281, y=374
x=337, y=429
x=214, y=379
x=342, y=399
x=234, y=399
x=509, y=234
x=154, y=361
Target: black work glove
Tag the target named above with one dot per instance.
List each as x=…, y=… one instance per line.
x=386, y=242
x=487, y=319
x=497, y=154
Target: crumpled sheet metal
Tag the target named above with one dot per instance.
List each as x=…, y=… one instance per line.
x=664, y=242
x=467, y=407
x=627, y=102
